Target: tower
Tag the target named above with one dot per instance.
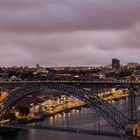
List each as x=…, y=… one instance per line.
x=115, y=63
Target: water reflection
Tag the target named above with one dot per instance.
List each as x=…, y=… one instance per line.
x=78, y=118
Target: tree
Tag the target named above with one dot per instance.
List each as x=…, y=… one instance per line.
x=10, y=116
x=24, y=111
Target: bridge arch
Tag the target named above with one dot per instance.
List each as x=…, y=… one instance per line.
x=113, y=116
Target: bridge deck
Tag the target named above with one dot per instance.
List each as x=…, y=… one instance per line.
x=74, y=81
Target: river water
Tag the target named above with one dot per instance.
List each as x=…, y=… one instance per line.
x=76, y=118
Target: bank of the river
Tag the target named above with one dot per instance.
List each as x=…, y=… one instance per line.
x=76, y=118
x=39, y=117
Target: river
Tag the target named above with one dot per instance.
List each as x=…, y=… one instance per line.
x=76, y=118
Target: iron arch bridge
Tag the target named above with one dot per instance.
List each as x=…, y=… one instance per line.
x=113, y=116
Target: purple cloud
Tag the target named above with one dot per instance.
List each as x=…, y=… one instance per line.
x=77, y=32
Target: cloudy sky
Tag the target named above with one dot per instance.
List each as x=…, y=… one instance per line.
x=63, y=32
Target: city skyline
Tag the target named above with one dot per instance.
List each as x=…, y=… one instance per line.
x=76, y=32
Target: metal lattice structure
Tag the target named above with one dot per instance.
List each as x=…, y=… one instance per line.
x=132, y=109
x=113, y=116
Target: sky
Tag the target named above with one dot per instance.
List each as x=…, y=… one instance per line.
x=69, y=32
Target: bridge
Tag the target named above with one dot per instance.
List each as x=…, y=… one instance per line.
x=93, y=83
x=119, y=121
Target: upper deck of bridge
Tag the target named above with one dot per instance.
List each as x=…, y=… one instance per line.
x=74, y=81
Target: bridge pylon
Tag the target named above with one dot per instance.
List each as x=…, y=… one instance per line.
x=132, y=109
x=132, y=128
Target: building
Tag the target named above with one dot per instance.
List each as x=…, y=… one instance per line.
x=4, y=76
x=37, y=66
x=115, y=63
x=132, y=65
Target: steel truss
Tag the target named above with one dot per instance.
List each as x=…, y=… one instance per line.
x=112, y=115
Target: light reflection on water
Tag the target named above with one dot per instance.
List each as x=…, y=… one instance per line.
x=75, y=118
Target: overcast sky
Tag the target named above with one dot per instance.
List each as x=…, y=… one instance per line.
x=63, y=32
